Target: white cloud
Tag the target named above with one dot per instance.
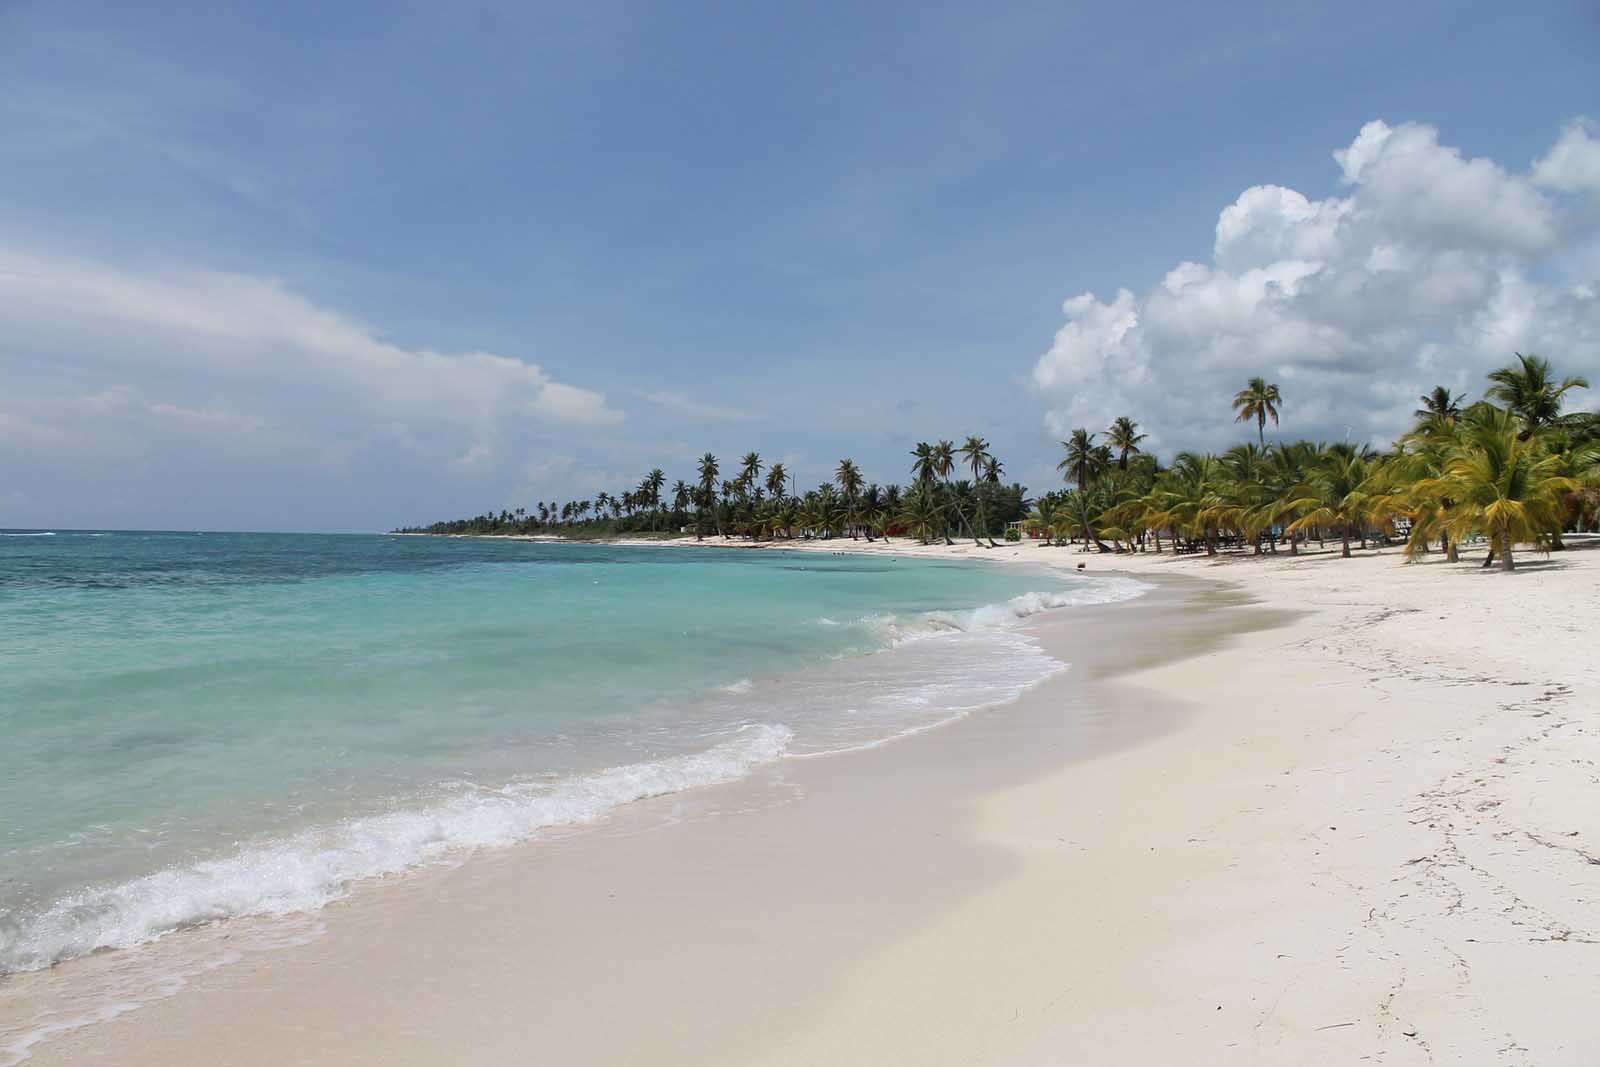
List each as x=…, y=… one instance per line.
x=1431, y=270
x=207, y=398
x=220, y=330
x=1573, y=164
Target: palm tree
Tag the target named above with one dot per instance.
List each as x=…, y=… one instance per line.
x=890, y=514
x=1187, y=498
x=1340, y=492
x=976, y=454
x=944, y=463
x=654, y=481
x=1529, y=389
x=1085, y=461
x=1249, y=495
x=1439, y=404
x=1043, y=519
x=776, y=477
x=848, y=476
x=1257, y=401
x=1288, y=467
x=709, y=470
x=750, y=469
x=1507, y=486
x=922, y=513
x=924, y=466
x=1124, y=437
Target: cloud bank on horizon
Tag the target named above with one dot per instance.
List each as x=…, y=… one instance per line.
x=136, y=374
x=1431, y=270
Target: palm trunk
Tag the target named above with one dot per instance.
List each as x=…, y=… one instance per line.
x=1211, y=542
x=1344, y=541
x=1451, y=555
x=1506, y=563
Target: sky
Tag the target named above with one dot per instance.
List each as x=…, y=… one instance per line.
x=348, y=266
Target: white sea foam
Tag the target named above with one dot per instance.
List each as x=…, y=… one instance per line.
x=309, y=869
x=743, y=685
x=998, y=616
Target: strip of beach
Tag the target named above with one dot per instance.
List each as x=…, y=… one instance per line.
x=1285, y=810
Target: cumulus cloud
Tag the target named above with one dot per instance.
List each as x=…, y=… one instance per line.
x=1430, y=268
x=1573, y=164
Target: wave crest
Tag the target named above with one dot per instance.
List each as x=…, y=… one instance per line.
x=314, y=867
x=896, y=629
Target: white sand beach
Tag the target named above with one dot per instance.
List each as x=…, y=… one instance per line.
x=1282, y=811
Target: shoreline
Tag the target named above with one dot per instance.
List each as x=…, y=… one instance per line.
x=1204, y=875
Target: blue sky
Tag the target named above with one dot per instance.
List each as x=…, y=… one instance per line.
x=307, y=266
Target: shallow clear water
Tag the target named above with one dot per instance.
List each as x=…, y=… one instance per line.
x=201, y=725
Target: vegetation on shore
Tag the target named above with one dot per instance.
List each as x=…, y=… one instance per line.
x=1510, y=469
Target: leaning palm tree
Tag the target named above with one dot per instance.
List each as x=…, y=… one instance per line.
x=1530, y=390
x=1084, y=463
x=1507, y=486
x=1258, y=401
x=1124, y=437
x=975, y=452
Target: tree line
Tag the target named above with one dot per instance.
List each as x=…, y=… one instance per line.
x=1512, y=468
x=760, y=501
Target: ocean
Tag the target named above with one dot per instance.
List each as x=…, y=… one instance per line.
x=195, y=726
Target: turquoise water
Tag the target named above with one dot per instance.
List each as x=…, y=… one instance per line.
x=194, y=726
